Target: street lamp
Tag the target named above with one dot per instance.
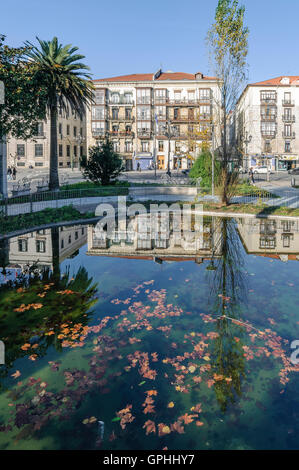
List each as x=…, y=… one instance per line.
x=80, y=139
x=169, y=132
x=246, y=141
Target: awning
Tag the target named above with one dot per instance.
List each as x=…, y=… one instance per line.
x=288, y=157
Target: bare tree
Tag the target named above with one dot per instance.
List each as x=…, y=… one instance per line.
x=227, y=42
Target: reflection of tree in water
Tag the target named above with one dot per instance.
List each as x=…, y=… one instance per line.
x=35, y=305
x=227, y=287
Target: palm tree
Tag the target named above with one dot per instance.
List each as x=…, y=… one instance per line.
x=67, y=85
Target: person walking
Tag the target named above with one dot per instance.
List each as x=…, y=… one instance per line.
x=9, y=173
x=251, y=176
x=14, y=173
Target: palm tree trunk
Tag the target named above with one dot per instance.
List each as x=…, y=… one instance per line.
x=54, y=180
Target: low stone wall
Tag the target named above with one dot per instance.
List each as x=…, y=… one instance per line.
x=164, y=190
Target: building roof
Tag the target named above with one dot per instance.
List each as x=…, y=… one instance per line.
x=145, y=77
x=293, y=80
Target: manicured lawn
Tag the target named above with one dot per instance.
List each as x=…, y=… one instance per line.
x=35, y=219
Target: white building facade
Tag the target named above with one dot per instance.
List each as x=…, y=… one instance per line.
x=35, y=152
x=133, y=111
x=266, y=124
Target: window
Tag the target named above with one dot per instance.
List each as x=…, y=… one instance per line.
x=23, y=244
x=191, y=96
x=75, y=131
x=144, y=146
x=177, y=95
x=82, y=231
x=98, y=112
x=115, y=146
x=67, y=129
x=287, y=130
x=60, y=128
x=268, y=128
x=286, y=241
x=70, y=239
x=287, y=98
x=128, y=147
x=268, y=95
x=62, y=243
x=161, y=146
x=38, y=150
x=160, y=96
x=128, y=113
x=205, y=95
x=38, y=164
x=128, y=98
x=143, y=96
x=143, y=112
x=60, y=150
x=287, y=146
x=76, y=235
x=39, y=129
x=81, y=151
x=99, y=96
x=144, y=128
x=267, y=242
x=21, y=150
x=98, y=128
x=114, y=113
x=75, y=150
x=68, y=150
x=115, y=97
x=176, y=113
x=40, y=246
x=205, y=111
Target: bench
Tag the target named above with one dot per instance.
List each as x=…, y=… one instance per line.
x=21, y=189
x=42, y=185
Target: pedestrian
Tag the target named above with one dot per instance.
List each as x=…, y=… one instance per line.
x=14, y=173
x=251, y=175
x=9, y=173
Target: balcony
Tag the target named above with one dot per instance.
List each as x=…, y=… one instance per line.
x=288, y=118
x=269, y=100
x=144, y=100
x=268, y=117
x=121, y=101
x=122, y=118
x=101, y=133
x=289, y=135
x=144, y=134
x=288, y=103
x=268, y=134
x=121, y=133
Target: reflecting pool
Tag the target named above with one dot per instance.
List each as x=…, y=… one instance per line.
x=134, y=342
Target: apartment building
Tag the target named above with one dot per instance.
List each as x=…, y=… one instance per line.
x=273, y=238
x=35, y=152
x=36, y=247
x=133, y=111
x=266, y=123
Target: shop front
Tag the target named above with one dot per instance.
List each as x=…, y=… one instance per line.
x=143, y=161
x=179, y=162
x=287, y=162
x=263, y=160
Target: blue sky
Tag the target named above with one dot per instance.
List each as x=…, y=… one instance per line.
x=133, y=36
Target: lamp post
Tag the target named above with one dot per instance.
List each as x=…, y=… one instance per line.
x=247, y=141
x=3, y=154
x=80, y=139
x=169, y=132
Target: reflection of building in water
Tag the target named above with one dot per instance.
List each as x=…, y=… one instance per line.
x=275, y=238
x=159, y=238
x=37, y=247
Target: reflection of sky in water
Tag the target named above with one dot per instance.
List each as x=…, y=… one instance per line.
x=171, y=367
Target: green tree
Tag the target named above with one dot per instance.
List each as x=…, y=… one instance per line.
x=68, y=86
x=103, y=165
x=228, y=46
x=25, y=98
x=202, y=169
